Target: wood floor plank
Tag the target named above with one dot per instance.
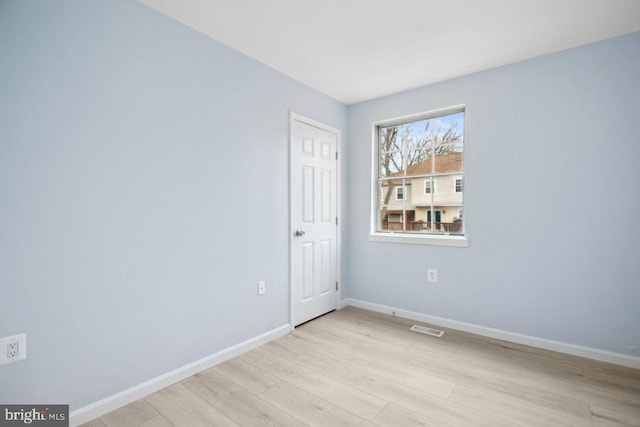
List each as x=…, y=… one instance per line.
x=391, y=368
x=246, y=375
x=333, y=336
x=182, y=407
x=365, y=331
x=235, y=402
x=416, y=400
x=508, y=367
x=569, y=368
x=309, y=408
x=393, y=416
x=344, y=396
x=514, y=410
x=606, y=418
x=157, y=421
x=391, y=325
x=592, y=369
x=354, y=334
x=577, y=369
x=130, y=415
x=419, y=360
x=514, y=383
x=94, y=423
x=623, y=383
x=405, y=324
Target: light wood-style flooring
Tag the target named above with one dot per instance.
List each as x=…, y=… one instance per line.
x=358, y=368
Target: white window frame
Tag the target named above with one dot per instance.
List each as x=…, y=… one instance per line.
x=391, y=237
x=404, y=197
x=432, y=188
x=455, y=185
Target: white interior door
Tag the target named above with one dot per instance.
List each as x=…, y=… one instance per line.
x=313, y=219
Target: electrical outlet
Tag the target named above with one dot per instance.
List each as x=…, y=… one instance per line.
x=262, y=287
x=13, y=349
x=432, y=275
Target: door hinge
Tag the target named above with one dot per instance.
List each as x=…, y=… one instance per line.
x=336, y=220
x=336, y=286
x=336, y=155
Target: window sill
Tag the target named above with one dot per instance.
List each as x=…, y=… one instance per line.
x=420, y=239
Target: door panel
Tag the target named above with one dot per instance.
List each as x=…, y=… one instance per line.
x=325, y=195
x=313, y=221
x=325, y=266
x=307, y=259
x=307, y=194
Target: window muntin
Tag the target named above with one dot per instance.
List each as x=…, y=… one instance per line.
x=458, y=185
x=422, y=161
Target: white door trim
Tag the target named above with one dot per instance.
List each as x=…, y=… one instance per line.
x=299, y=117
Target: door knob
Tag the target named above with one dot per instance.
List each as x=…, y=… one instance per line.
x=298, y=233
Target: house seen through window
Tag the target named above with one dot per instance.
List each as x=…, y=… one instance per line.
x=420, y=176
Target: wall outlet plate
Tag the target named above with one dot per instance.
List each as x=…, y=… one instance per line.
x=262, y=287
x=13, y=348
x=432, y=275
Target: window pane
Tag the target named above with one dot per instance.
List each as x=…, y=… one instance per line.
x=390, y=164
x=402, y=147
x=419, y=163
x=446, y=129
x=444, y=220
x=388, y=139
x=414, y=136
x=391, y=218
x=456, y=226
x=449, y=158
x=387, y=191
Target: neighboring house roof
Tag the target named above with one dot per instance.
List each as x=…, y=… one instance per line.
x=447, y=163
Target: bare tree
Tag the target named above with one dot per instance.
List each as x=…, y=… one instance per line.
x=442, y=141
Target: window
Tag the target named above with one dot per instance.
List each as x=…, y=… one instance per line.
x=428, y=185
x=426, y=151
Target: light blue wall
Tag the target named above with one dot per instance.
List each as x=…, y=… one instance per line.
x=552, y=201
x=143, y=193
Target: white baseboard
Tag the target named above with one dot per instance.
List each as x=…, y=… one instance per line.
x=118, y=400
x=576, y=350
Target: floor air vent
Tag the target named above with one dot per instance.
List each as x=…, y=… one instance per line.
x=428, y=331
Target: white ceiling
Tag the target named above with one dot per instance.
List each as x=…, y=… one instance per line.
x=355, y=50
